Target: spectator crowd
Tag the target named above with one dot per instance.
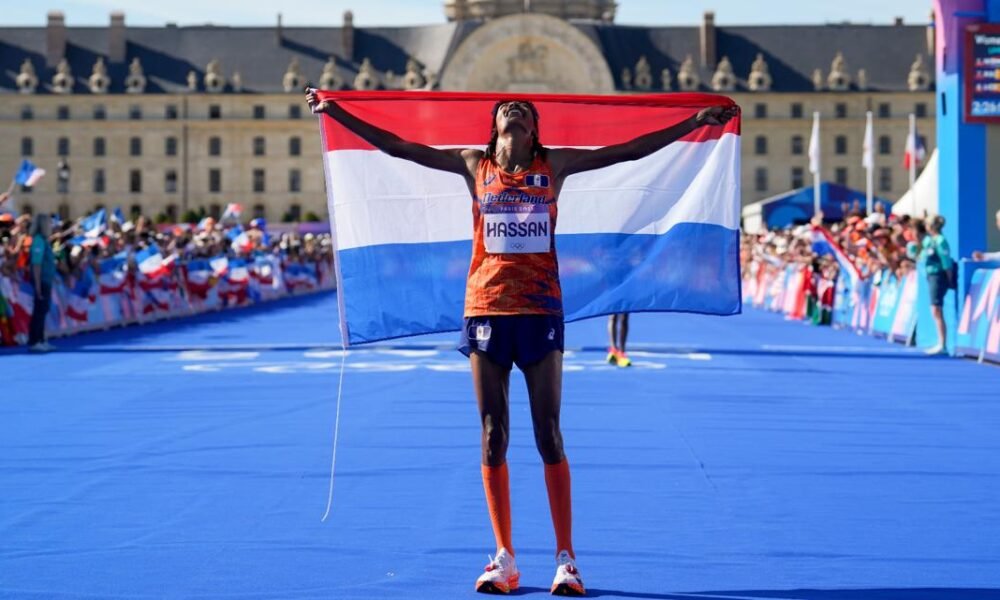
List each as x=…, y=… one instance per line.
x=105, y=268
x=860, y=247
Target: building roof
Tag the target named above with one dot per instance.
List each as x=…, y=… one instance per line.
x=262, y=56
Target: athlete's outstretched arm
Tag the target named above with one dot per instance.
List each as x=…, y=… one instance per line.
x=460, y=161
x=567, y=161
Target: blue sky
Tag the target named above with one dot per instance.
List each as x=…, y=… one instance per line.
x=408, y=12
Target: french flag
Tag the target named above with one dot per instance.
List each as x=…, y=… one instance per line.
x=152, y=265
x=198, y=277
x=656, y=234
x=117, y=216
x=239, y=272
x=916, y=150
x=93, y=226
x=239, y=240
x=28, y=174
x=155, y=299
x=300, y=277
x=81, y=297
x=824, y=244
x=220, y=265
x=262, y=270
x=113, y=277
x=232, y=211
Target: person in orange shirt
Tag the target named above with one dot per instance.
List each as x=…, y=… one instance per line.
x=513, y=300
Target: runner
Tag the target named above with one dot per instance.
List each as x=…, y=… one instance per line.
x=618, y=334
x=513, y=300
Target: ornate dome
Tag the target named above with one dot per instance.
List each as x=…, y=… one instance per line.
x=458, y=10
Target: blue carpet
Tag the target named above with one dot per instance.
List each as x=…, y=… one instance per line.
x=742, y=457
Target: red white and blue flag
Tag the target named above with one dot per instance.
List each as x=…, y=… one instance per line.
x=824, y=244
x=152, y=266
x=28, y=174
x=113, y=277
x=82, y=296
x=219, y=264
x=300, y=277
x=232, y=212
x=916, y=150
x=199, y=277
x=656, y=234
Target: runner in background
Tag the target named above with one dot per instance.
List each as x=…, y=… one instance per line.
x=617, y=336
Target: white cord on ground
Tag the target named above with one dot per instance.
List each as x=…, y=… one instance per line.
x=336, y=431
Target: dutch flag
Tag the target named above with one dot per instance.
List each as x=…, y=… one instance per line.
x=656, y=234
x=536, y=180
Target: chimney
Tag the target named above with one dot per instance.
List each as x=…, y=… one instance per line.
x=708, y=40
x=898, y=22
x=55, y=38
x=116, y=38
x=278, y=32
x=456, y=10
x=347, y=35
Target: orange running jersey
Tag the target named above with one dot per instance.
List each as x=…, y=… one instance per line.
x=514, y=270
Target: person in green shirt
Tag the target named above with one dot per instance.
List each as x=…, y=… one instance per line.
x=939, y=273
x=43, y=273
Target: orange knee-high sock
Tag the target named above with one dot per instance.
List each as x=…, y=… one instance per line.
x=496, y=482
x=560, y=504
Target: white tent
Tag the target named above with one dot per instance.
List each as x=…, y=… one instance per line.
x=923, y=198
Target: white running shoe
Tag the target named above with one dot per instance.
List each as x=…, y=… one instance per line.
x=938, y=349
x=500, y=576
x=38, y=348
x=568, y=581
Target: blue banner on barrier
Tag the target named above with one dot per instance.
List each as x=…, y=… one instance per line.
x=888, y=303
x=974, y=323
x=978, y=333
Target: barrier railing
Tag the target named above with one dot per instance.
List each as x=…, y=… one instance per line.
x=107, y=294
x=978, y=332
x=887, y=306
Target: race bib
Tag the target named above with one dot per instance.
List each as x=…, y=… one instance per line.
x=518, y=232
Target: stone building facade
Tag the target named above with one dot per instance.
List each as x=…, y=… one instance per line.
x=167, y=119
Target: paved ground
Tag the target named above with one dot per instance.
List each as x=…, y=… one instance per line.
x=744, y=457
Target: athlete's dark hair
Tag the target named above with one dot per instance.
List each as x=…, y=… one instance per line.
x=537, y=149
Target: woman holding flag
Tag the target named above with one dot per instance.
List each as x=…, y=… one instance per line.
x=513, y=301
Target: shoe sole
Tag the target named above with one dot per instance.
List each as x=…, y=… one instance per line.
x=566, y=589
x=488, y=587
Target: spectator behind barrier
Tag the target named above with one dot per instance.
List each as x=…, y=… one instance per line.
x=33, y=253
x=876, y=245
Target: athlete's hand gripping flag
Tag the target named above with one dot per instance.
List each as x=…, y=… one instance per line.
x=655, y=234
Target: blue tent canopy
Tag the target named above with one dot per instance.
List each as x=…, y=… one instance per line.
x=796, y=206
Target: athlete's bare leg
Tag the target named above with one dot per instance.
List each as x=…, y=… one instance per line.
x=544, y=380
x=622, y=332
x=492, y=384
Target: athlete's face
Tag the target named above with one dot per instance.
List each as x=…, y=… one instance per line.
x=515, y=114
